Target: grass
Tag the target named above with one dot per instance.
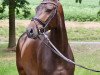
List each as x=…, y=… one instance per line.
x=7, y=61
x=83, y=34
x=4, y=32
x=87, y=11
x=84, y=54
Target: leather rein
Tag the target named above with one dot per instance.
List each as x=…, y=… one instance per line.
x=57, y=52
x=51, y=46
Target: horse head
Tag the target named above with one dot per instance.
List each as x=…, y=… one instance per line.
x=46, y=17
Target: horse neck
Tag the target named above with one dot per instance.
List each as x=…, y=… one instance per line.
x=59, y=35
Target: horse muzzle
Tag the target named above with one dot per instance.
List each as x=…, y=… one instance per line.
x=32, y=33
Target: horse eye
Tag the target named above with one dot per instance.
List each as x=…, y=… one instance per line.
x=48, y=10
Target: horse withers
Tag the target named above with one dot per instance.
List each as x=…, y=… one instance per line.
x=33, y=57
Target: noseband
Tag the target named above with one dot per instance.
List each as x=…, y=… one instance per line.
x=45, y=24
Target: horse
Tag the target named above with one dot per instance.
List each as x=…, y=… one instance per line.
x=33, y=57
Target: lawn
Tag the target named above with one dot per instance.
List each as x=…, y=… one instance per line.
x=7, y=61
x=84, y=55
x=87, y=55
x=83, y=34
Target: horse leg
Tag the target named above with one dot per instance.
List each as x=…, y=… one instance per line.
x=18, y=62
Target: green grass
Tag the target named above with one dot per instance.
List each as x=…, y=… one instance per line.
x=8, y=68
x=4, y=32
x=20, y=30
x=84, y=54
x=88, y=56
x=7, y=61
x=83, y=34
x=87, y=11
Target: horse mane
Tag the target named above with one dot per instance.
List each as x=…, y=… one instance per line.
x=59, y=35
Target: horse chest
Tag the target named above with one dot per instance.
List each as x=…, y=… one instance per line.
x=49, y=62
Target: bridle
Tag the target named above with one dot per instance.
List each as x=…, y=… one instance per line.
x=54, y=12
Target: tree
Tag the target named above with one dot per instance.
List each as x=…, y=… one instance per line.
x=78, y=1
x=98, y=14
x=12, y=38
x=14, y=5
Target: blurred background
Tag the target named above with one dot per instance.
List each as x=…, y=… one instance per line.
x=82, y=18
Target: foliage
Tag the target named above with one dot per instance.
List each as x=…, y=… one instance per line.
x=98, y=14
x=78, y=1
x=19, y=5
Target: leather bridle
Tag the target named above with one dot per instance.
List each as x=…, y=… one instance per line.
x=54, y=12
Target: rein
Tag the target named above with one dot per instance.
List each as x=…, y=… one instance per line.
x=56, y=51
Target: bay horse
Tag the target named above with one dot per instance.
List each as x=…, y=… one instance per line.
x=33, y=57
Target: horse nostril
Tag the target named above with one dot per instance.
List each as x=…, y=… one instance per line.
x=31, y=31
